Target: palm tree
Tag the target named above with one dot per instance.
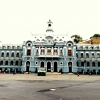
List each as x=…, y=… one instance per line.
x=77, y=38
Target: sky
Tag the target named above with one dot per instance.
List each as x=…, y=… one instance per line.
x=21, y=18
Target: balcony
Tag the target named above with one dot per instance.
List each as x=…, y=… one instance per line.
x=55, y=53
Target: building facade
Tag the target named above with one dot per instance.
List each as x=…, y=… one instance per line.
x=54, y=54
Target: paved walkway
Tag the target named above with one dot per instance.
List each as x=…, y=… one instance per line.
x=69, y=77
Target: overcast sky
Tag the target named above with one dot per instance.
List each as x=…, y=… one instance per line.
x=20, y=18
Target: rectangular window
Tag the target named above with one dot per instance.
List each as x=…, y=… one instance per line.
x=28, y=52
x=60, y=52
x=69, y=52
x=55, y=51
x=42, y=52
x=49, y=51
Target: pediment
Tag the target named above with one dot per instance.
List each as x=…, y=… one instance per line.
x=49, y=37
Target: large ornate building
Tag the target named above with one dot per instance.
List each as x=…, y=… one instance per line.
x=54, y=54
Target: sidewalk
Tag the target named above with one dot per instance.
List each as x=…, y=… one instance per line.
x=49, y=77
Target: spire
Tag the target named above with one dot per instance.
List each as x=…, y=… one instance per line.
x=49, y=26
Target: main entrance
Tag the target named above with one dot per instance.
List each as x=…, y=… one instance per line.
x=48, y=66
x=55, y=66
x=42, y=64
x=70, y=66
x=27, y=66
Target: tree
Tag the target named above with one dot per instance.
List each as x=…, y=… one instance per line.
x=95, y=35
x=77, y=38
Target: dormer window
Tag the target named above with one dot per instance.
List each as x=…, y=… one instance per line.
x=60, y=40
x=8, y=47
x=2, y=47
x=86, y=48
x=17, y=47
x=81, y=48
x=12, y=47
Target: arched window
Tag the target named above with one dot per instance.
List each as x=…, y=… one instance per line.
x=1, y=62
x=11, y=63
x=7, y=55
x=12, y=54
x=6, y=63
x=87, y=55
x=88, y=64
x=98, y=55
x=81, y=55
x=17, y=54
x=2, y=55
x=16, y=63
x=92, y=55
x=98, y=64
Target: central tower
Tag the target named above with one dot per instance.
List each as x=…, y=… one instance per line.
x=49, y=29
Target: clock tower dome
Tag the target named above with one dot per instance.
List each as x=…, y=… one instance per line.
x=49, y=29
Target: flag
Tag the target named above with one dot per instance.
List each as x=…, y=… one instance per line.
x=54, y=45
x=41, y=45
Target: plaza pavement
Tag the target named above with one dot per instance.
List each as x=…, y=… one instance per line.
x=50, y=76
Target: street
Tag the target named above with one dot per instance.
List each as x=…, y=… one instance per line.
x=50, y=87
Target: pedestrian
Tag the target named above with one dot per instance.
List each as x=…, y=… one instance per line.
x=14, y=72
x=89, y=72
x=77, y=73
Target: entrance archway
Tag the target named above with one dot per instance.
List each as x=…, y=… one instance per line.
x=55, y=66
x=27, y=66
x=48, y=66
x=42, y=64
x=70, y=66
